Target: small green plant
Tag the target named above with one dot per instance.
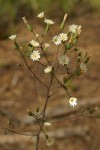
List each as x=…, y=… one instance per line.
x=66, y=42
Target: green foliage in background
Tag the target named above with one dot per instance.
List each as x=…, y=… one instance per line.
x=95, y=4
x=11, y=11
x=8, y=11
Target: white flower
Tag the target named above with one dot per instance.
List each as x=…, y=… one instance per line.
x=63, y=36
x=50, y=141
x=64, y=60
x=83, y=67
x=40, y=15
x=35, y=55
x=46, y=45
x=48, y=69
x=73, y=28
x=34, y=43
x=12, y=37
x=48, y=21
x=57, y=40
x=47, y=123
x=73, y=101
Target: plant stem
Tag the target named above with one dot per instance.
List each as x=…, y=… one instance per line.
x=30, y=68
x=44, y=112
x=37, y=142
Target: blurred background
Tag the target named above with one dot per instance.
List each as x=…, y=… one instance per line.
x=11, y=11
x=72, y=131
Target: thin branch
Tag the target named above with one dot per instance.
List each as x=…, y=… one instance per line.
x=16, y=132
x=43, y=116
x=35, y=86
x=45, y=55
x=63, y=85
x=67, y=69
x=55, y=92
x=37, y=142
x=30, y=69
x=42, y=64
x=57, y=54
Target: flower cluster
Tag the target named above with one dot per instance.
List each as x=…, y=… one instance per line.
x=74, y=28
x=60, y=70
x=65, y=38
x=62, y=37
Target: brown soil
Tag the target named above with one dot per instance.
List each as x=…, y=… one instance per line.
x=17, y=90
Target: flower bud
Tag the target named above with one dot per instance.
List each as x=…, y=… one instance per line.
x=63, y=22
x=27, y=24
x=29, y=112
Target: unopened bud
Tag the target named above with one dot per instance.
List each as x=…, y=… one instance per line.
x=87, y=59
x=79, y=30
x=27, y=24
x=24, y=19
x=63, y=22
x=76, y=49
x=29, y=112
x=47, y=123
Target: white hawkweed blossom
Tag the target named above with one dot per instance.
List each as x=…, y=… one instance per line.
x=12, y=37
x=73, y=101
x=64, y=60
x=40, y=15
x=48, y=69
x=48, y=21
x=63, y=36
x=35, y=55
x=34, y=43
x=50, y=141
x=57, y=40
x=83, y=67
x=73, y=28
